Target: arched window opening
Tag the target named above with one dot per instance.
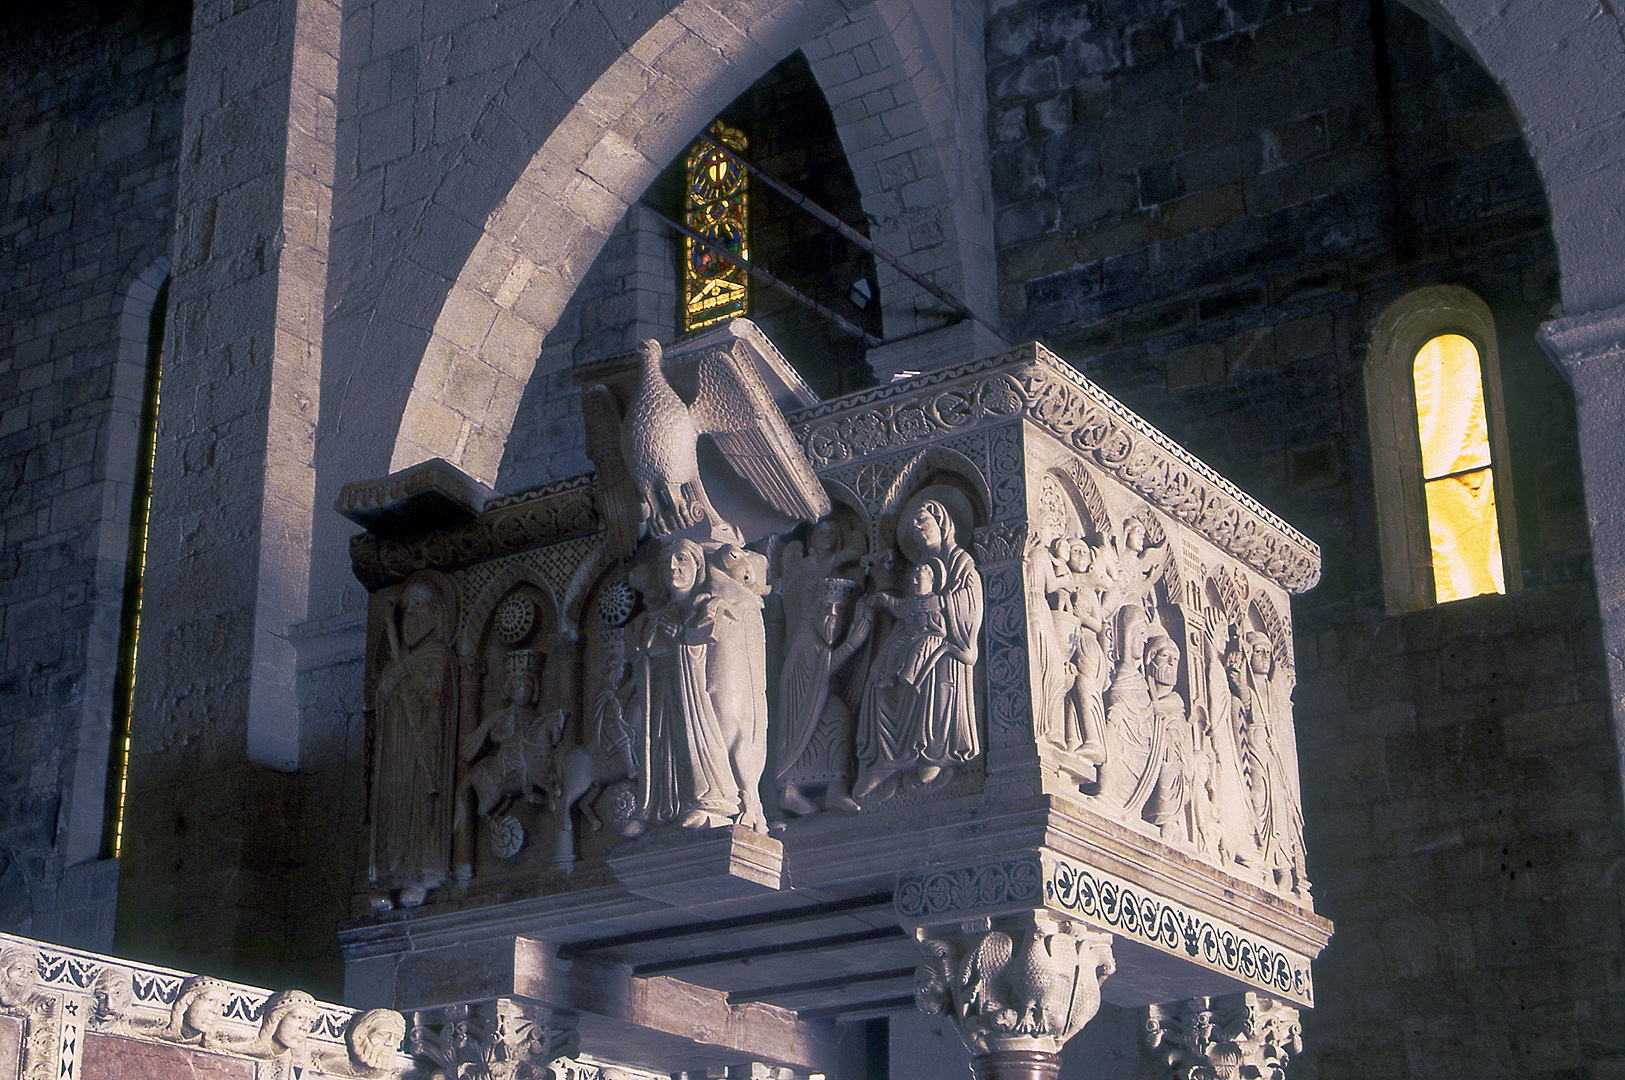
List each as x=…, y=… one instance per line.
x=1458, y=478
x=1438, y=451
x=716, y=206
x=134, y=574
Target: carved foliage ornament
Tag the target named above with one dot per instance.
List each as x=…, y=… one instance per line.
x=1022, y=982
x=502, y=1039
x=1236, y=1037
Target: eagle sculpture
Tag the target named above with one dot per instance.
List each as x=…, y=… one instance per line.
x=654, y=470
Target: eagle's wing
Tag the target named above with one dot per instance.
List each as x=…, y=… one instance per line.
x=618, y=498
x=735, y=409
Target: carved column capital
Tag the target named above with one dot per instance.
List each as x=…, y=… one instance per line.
x=504, y=1039
x=1224, y=1038
x=1018, y=984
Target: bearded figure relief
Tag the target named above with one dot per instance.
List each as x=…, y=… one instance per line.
x=414, y=751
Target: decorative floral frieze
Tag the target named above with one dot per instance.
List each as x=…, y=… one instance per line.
x=927, y=896
x=1136, y=912
x=940, y=895
x=1033, y=383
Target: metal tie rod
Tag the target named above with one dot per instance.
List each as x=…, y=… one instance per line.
x=766, y=276
x=856, y=237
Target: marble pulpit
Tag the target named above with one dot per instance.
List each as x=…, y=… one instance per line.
x=970, y=693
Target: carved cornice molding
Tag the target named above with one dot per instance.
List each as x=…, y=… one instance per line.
x=431, y=494
x=510, y=523
x=1032, y=383
x=938, y=896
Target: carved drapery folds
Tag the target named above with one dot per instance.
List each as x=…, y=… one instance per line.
x=1016, y=983
x=413, y=768
x=1224, y=1038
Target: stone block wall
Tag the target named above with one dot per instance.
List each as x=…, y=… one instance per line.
x=1207, y=207
x=90, y=106
x=1462, y=803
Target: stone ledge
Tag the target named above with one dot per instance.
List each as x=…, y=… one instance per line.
x=695, y=869
x=432, y=494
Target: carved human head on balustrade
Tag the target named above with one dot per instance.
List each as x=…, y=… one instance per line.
x=110, y=994
x=374, y=1038
x=19, y=967
x=199, y=1009
x=286, y=1023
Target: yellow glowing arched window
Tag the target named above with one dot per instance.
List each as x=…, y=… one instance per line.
x=717, y=206
x=1458, y=477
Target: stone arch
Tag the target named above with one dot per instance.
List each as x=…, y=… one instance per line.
x=479, y=611
x=542, y=237
x=916, y=150
x=1546, y=55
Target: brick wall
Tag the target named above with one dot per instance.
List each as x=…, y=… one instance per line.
x=90, y=101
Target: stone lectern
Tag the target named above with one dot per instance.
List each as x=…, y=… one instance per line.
x=970, y=693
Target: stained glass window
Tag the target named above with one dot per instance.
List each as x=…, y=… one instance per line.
x=717, y=198
x=1457, y=474
x=134, y=573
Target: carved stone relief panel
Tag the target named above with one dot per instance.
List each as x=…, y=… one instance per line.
x=900, y=627
x=853, y=610
x=1161, y=674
